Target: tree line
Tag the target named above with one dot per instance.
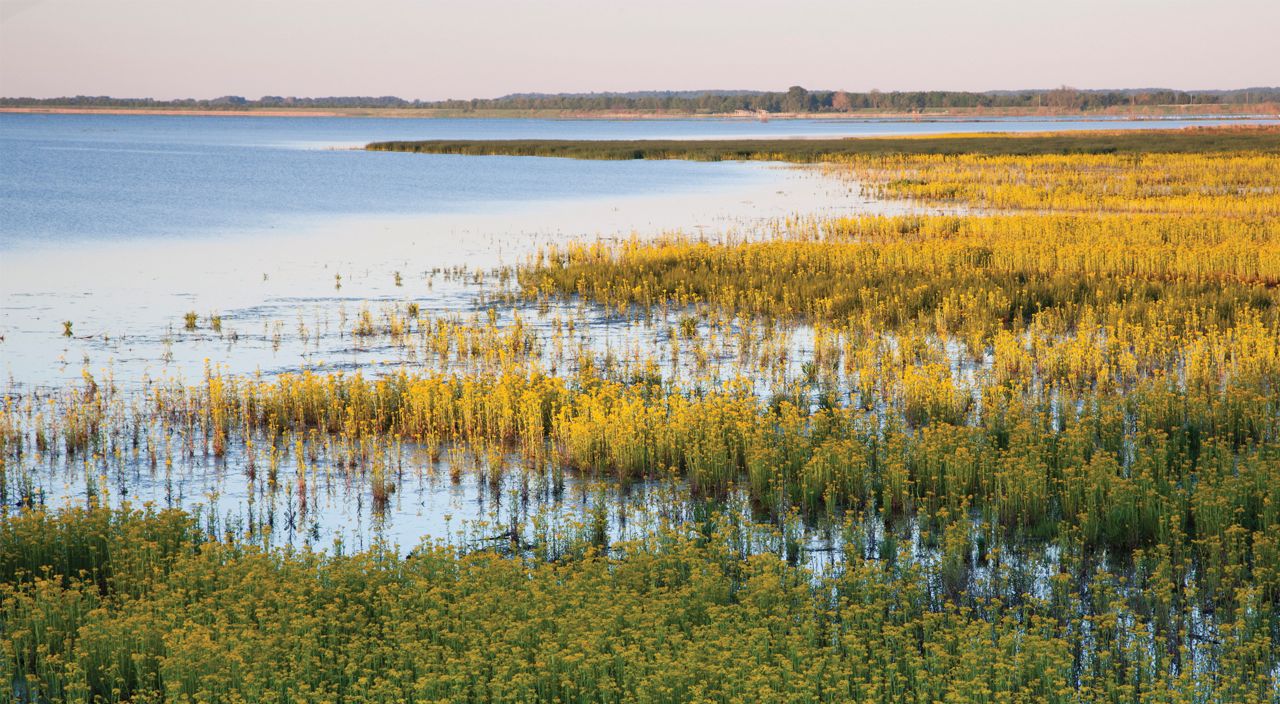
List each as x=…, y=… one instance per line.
x=794, y=100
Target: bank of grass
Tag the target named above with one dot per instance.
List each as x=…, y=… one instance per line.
x=134, y=606
x=1236, y=139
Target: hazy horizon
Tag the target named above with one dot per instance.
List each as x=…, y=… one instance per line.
x=430, y=51
x=644, y=91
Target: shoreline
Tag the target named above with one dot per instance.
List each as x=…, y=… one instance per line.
x=138, y=293
x=1154, y=113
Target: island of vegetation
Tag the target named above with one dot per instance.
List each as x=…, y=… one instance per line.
x=1188, y=140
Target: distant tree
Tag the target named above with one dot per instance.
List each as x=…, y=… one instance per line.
x=796, y=100
x=1064, y=97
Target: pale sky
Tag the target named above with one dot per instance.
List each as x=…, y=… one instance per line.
x=431, y=50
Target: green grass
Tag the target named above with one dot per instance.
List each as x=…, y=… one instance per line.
x=682, y=617
x=1263, y=139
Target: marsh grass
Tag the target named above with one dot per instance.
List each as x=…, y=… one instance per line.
x=1191, y=140
x=140, y=606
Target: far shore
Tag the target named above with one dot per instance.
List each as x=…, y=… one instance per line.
x=1204, y=111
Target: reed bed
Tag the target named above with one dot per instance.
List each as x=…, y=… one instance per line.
x=1228, y=184
x=993, y=271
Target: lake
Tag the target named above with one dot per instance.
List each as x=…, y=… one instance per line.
x=121, y=224
x=75, y=178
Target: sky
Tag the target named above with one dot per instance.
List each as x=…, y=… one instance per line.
x=431, y=49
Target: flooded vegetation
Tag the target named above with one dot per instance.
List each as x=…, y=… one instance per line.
x=1013, y=437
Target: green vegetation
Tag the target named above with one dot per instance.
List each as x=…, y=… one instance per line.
x=1203, y=140
x=132, y=606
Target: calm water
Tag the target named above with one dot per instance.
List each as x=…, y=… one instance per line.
x=122, y=224
x=71, y=178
